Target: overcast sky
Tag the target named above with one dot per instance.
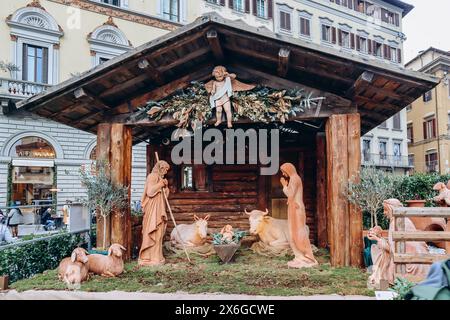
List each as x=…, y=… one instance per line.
x=428, y=24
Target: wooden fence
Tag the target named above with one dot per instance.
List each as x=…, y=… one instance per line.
x=400, y=236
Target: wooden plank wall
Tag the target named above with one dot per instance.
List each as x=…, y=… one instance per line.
x=230, y=189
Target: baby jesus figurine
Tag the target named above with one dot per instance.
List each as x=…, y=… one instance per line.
x=221, y=90
x=227, y=233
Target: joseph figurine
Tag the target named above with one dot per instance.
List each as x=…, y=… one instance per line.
x=298, y=231
x=154, y=222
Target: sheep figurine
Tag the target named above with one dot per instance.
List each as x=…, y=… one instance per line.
x=108, y=266
x=444, y=193
x=74, y=269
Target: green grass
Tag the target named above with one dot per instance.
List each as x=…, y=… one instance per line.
x=250, y=274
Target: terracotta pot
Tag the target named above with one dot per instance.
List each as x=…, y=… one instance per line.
x=416, y=203
x=226, y=252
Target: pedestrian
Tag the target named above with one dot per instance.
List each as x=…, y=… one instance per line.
x=15, y=217
x=5, y=234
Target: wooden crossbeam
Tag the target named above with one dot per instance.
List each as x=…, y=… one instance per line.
x=420, y=258
x=283, y=62
x=214, y=43
x=191, y=56
x=421, y=236
x=441, y=212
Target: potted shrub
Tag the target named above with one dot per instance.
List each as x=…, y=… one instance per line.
x=227, y=242
x=103, y=195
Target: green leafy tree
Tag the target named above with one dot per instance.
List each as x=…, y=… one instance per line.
x=374, y=187
x=102, y=194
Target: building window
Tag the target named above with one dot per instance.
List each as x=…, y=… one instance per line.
x=361, y=44
x=344, y=39
x=107, y=42
x=429, y=128
x=377, y=49
x=431, y=162
x=305, y=26
x=326, y=33
x=171, y=10
x=396, y=122
x=33, y=147
x=410, y=133
x=187, y=180
x=383, y=125
x=411, y=160
x=35, y=64
x=112, y=2
x=428, y=96
x=397, y=151
x=366, y=150
x=285, y=21
x=382, y=146
x=448, y=124
x=393, y=54
x=238, y=5
x=261, y=8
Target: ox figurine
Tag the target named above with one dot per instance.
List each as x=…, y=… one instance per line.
x=192, y=235
x=271, y=231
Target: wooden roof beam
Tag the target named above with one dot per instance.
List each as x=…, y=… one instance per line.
x=83, y=95
x=154, y=74
x=214, y=43
x=362, y=83
x=283, y=62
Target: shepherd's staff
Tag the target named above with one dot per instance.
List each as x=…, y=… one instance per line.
x=171, y=215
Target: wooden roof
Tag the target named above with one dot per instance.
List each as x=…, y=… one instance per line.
x=113, y=91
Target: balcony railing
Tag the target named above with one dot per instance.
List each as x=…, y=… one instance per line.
x=20, y=89
x=383, y=160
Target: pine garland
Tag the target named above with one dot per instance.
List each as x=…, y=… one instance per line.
x=262, y=104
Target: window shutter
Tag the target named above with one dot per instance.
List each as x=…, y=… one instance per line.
x=434, y=127
x=288, y=21
x=425, y=130
x=369, y=46
x=307, y=27
x=385, y=51
x=255, y=11
x=350, y=4
x=247, y=6
x=231, y=4
x=45, y=65
x=222, y=3
x=397, y=20
x=340, y=37
x=358, y=44
x=333, y=35
x=352, y=40
x=399, y=55
x=24, y=63
x=270, y=9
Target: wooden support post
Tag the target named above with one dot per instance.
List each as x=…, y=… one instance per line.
x=214, y=43
x=114, y=146
x=103, y=154
x=121, y=156
x=343, y=159
x=321, y=191
x=283, y=62
x=355, y=214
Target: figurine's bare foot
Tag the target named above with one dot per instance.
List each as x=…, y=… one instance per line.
x=217, y=123
x=230, y=125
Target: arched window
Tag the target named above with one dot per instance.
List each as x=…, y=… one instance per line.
x=35, y=35
x=107, y=42
x=93, y=154
x=33, y=147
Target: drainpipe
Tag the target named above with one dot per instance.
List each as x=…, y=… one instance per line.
x=437, y=130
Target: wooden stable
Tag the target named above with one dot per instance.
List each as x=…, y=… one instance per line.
x=323, y=142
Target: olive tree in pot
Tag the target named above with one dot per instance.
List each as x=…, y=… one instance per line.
x=102, y=194
x=374, y=187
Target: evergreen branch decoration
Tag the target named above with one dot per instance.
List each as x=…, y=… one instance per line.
x=261, y=104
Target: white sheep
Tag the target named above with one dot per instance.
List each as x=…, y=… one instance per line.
x=108, y=266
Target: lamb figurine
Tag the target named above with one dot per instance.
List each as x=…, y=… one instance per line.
x=108, y=266
x=74, y=269
x=444, y=193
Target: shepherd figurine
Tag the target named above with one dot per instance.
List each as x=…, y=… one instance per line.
x=221, y=90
